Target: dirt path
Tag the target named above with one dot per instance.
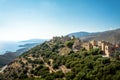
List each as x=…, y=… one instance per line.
x=64, y=69
x=51, y=69
x=3, y=68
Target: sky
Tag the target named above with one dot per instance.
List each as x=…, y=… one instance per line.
x=29, y=19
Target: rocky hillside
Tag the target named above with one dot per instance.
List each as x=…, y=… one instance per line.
x=112, y=36
x=62, y=58
x=7, y=58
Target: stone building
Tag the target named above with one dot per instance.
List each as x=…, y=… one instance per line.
x=99, y=44
x=94, y=43
x=55, y=39
x=103, y=46
x=77, y=45
x=109, y=50
x=87, y=46
x=66, y=38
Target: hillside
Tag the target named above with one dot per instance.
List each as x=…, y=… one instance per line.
x=10, y=56
x=58, y=59
x=7, y=58
x=112, y=36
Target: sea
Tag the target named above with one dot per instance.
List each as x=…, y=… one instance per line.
x=12, y=46
x=6, y=46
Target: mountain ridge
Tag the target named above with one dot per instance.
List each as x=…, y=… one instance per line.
x=110, y=36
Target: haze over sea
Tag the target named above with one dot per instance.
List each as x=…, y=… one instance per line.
x=12, y=46
x=8, y=46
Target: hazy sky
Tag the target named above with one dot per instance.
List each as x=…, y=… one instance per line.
x=26, y=19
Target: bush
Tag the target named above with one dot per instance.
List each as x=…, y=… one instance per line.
x=70, y=43
x=55, y=65
x=59, y=74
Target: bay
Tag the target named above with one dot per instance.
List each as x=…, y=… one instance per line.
x=13, y=46
x=8, y=46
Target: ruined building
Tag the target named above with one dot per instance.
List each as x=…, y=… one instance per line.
x=108, y=48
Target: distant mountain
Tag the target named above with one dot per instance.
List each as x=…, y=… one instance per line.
x=26, y=45
x=35, y=40
x=112, y=36
x=81, y=34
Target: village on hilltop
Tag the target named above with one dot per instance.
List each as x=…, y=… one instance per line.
x=106, y=47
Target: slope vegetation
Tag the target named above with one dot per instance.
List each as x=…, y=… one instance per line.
x=48, y=62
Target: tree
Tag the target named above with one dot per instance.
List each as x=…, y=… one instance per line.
x=69, y=43
x=59, y=74
x=55, y=65
x=70, y=75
